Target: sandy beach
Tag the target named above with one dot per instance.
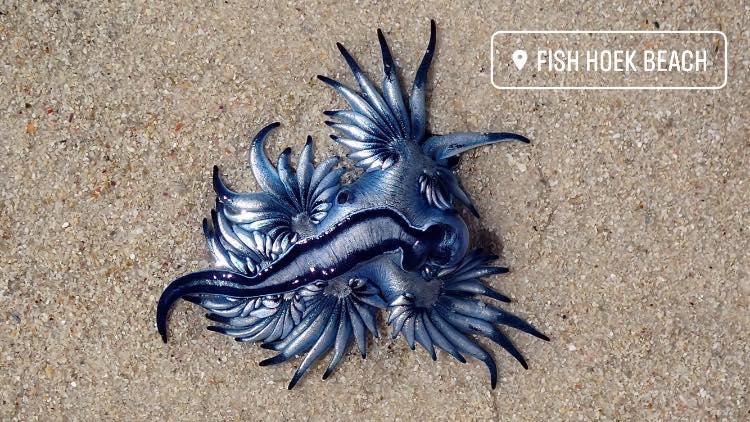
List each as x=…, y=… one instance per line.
x=624, y=222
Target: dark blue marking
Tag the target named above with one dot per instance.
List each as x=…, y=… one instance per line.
x=395, y=233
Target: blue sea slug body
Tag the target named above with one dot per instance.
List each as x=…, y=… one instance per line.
x=305, y=266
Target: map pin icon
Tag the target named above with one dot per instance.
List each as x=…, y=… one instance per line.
x=519, y=58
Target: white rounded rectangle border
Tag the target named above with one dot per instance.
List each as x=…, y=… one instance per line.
x=492, y=61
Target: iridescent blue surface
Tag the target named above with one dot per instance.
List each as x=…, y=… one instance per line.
x=304, y=265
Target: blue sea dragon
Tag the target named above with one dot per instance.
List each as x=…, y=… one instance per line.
x=304, y=266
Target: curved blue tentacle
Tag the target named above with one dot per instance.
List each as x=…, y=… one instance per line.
x=419, y=90
x=292, y=187
x=326, y=339
x=301, y=340
x=305, y=170
x=440, y=187
x=392, y=88
x=356, y=102
x=292, y=342
x=442, y=147
x=343, y=338
x=359, y=330
x=423, y=337
x=478, y=309
x=330, y=322
x=466, y=345
x=351, y=118
x=386, y=119
x=265, y=319
x=264, y=172
x=470, y=325
x=213, y=242
x=444, y=315
x=243, y=201
x=297, y=200
x=437, y=336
